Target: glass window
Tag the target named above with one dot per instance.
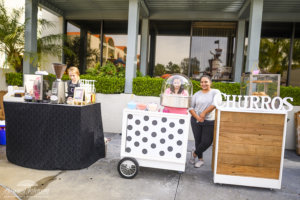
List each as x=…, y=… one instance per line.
x=172, y=54
x=274, y=56
x=295, y=72
x=212, y=51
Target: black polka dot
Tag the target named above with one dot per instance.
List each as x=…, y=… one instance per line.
x=153, y=134
x=137, y=133
x=137, y=122
x=178, y=155
x=129, y=138
x=145, y=128
x=136, y=144
x=172, y=124
x=181, y=121
x=145, y=139
x=170, y=148
x=164, y=119
x=162, y=153
x=129, y=127
x=162, y=141
x=146, y=118
x=153, y=146
x=144, y=151
x=154, y=122
x=163, y=130
x=127, y=149
x=180, y=131
x=130, y=116
x=179, y=143
x=171, y=136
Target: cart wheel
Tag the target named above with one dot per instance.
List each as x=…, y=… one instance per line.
x=128, y=168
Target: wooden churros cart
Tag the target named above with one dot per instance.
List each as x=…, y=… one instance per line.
x=249, y=147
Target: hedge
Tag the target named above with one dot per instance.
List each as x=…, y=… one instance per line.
x=293, y=92
x=146, y=86
x=107, y=85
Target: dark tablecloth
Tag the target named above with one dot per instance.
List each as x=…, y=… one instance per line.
x=49, y=136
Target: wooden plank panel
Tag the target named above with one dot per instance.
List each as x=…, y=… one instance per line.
x=251, y=128
x=254, y=161
x=260, y=118
x=245, y=138
x=249, y=149
x=249, y=171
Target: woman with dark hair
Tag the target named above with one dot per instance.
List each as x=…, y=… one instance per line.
x=176, y=88
x=202, y=120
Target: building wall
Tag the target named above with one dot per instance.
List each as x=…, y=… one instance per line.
x=57, y=29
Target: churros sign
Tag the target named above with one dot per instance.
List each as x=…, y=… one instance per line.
x=263, y=103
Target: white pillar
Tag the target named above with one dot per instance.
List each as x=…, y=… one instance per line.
x=29, y=64
x=255, y=20
x=144, y=46
x=131, y=61
x=239, y=51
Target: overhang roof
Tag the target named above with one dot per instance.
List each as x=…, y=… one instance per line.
x=222, y=10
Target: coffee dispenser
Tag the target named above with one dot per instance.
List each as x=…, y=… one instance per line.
x=58, y=86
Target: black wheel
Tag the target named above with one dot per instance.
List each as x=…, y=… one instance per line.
x=128, y=168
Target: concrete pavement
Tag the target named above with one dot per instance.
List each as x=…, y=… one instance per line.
x=102, y=181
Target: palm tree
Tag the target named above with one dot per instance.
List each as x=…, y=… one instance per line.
x=12, y=36
x=12, y=40
x=73, y=44
x=273, y=55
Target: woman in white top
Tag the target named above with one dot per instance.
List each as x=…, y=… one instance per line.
x=202, y=120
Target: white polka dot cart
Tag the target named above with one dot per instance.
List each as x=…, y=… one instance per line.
x=158, y=139
x=153, y=139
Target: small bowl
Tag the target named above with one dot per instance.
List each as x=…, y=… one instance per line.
x=152, y=107
x=141, y=106
x=131, y=105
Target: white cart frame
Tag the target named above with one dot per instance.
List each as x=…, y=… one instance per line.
x=152, y=159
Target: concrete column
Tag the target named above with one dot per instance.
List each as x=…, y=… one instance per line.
x=239, y=51
x=101, y=43
x=144, y=46
x=152, y=54
x=255, y=20
x=64, y=32
x=83, y=49
x=30, y=57
x=133, y=26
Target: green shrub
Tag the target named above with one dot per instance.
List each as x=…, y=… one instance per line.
x=146, y=86
x=106, y=85
x=14, y=79
x=293, y=92
x=228, y=88
x=17, y=78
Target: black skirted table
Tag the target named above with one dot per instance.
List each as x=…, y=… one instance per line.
x=52, y=136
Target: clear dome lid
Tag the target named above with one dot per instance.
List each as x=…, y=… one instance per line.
x=176, y=91
x=177, y=84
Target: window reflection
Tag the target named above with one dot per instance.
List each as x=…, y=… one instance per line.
x=172, y=55
x=212, y=50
